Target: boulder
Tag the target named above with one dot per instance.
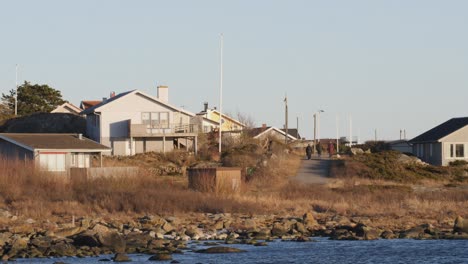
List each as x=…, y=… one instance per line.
x=279, y=229
x=161, y=257
x=121, y=257
x=62, y=248
x=366, y=232
x=86, y=238
x=113, y=241
x=214, y=250
x=308, y=220
x=460, y=225
x=137, y=240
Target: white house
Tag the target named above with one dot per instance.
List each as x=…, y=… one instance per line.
x=135, y=122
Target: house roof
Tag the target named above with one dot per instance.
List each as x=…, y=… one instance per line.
x=39, y=141
x=99, y=106
x=259, y=131
x=69, y=106
x=442, y=130
x=293, y=132
x=227, y=117
x=89, y=103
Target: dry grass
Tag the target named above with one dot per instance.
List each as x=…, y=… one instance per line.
x=26, y=191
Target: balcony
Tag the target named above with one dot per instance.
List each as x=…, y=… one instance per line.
x=171, y=130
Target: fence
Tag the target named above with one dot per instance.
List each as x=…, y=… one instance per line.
x=79, y=174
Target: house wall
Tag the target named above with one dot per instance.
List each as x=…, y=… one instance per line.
x=429, y=152
x=93, y=122
x=11, y=151
x=228, y=124
x=402, y=147
x=458, y=137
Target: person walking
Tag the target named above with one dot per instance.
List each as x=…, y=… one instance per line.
x=331, y=149
x=309, y=151
x=319, y=149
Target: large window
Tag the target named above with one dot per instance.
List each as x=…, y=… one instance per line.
x=52, y=161
x=155, y=119
x=457, y=150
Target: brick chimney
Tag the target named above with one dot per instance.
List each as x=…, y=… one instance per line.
x=163, y=93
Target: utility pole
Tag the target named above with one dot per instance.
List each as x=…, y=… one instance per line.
x=16, y=92
x=315, y=132
x=297, y=126
x=221, y=94
x=375, y=135
x=337, y=138
x=286, y=118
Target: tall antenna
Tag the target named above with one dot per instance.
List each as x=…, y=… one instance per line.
x=16, y=91
x=221, y=93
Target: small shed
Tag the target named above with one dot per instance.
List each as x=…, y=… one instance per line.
x=217, y=180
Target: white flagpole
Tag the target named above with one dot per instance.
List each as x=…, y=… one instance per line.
x=221, y=94
x=16, y=91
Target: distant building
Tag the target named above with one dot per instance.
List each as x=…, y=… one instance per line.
x=401, y=145
x=67, y=108
x=270, y=132
x=444, y=143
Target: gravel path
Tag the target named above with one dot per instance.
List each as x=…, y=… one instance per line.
x=314, y=171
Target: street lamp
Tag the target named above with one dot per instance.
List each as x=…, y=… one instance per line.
x=317, y=127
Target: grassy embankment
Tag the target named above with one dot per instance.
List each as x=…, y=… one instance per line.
x=377, y=186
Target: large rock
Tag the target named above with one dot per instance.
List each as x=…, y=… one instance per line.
x=279, y=229
x=308, y=220
x=161, y=257
x=113, y=241
x=214, y=250
x=86, y=238
x=62, y=248
x=121, y=257
x=461, y=225
x=366, y=232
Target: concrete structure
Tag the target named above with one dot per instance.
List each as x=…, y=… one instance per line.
x=67, y=108
x=50, y=152
x=444, y=143
x=135, y=122
x=218, y=180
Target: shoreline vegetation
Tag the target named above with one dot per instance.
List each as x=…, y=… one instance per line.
x=369, y=196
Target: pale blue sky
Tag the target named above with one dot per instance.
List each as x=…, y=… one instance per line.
x=390, y=64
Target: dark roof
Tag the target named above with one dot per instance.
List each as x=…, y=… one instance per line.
x=257, y=131
x=441, y=130
x=91, y=109
x=53, y=141
x=293, y=132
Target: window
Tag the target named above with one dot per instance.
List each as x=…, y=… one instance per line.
x=155, y=119
x=459, y=150
x=52, y=161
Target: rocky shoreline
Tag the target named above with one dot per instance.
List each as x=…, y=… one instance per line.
x=163, y=236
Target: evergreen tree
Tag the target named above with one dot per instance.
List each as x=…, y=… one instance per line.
x=33, y=98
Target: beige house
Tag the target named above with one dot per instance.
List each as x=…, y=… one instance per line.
x=444, y=143
x=67, y=108
x=135, y=122
x=271, y=133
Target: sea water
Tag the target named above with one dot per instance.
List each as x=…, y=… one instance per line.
x=322, y=250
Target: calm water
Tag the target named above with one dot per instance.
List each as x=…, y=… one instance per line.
x=322, y=251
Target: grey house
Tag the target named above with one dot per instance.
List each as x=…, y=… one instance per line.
x=50, y=152
x=444, y=143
